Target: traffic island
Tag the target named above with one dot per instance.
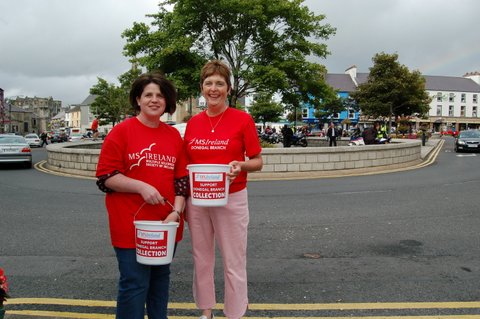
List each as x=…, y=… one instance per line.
x=81, y=158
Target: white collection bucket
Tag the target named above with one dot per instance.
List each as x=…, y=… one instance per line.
x=155, y=241
x=209, y=184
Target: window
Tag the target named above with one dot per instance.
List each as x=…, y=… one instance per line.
x=439, y=97
x=475, y=98
x=351, y=114
x=336, y=115
x=462, y=110
x=464, y=98
x=451, y=97
x=450, y=110
x=474, y=111
x=305, y=113
x=439, y=110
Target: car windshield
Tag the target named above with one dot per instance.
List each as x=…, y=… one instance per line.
x=30, y=136
x=470, y=134
x=11, y=140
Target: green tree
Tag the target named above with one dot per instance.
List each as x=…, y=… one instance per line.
x=265, y=43
x=111, y=103
x=331, y=105
x=264, y=109
x=392, y=90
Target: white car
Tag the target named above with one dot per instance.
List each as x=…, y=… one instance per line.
x=181, y=128
x=33, y=140
x=75, y=137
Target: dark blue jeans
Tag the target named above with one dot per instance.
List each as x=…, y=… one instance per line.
x=139, y=285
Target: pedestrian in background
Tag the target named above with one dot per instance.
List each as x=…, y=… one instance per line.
x=226, y=225
x=370, y=134
x=141, y=167
x=287, y=134
x=44, y=138
x=94, y=129
x=332, y=134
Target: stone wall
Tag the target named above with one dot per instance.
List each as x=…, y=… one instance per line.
x=81, y=158
x=315, y=161
x=76, y=158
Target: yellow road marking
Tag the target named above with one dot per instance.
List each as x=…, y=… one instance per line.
x=293, y=307
x=108, y=316
x=58, y=314
x=252, y=307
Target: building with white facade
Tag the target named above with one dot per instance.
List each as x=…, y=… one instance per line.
x=454, y=104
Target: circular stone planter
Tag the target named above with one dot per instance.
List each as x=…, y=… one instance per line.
x=81, y=158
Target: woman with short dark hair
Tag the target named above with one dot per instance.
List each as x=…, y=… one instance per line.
x=142, y=168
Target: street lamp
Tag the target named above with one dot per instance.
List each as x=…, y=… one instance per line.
x=295, y=88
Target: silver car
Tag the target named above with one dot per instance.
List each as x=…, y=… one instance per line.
x=15, y=149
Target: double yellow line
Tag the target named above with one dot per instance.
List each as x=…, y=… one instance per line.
x=252, y=307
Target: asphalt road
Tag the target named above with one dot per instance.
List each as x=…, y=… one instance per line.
x=403, y=237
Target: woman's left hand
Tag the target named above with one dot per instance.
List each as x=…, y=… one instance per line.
x=172, y=217
x=235, y=169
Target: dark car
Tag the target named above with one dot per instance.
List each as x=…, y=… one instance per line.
x=468, y=141
x=58, y=138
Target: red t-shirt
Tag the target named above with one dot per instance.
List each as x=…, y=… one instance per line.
x=234, y=137
x=153, y=155
x=94, y=124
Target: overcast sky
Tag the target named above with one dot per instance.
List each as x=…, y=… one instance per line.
x=58, y=48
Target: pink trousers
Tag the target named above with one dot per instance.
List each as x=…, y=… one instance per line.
x=227, y=227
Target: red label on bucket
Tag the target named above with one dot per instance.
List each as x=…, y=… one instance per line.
x=151, y=243
x=208, y=185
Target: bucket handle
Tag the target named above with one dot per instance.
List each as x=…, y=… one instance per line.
x=143, y=204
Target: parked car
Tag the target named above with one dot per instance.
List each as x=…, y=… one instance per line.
x=181, y=128
x=58, y=138
x=75, y=137
x=449, y=132
x=15, y=149
x=468, y=141
x=33, y=140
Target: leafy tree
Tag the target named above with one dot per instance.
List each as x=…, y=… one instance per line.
x=111, y=103
x=264, y=109
x=392, y=90
x=331, y=105
x=292, y=115
x=265, y=43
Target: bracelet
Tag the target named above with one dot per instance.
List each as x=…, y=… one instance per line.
x=179, y=214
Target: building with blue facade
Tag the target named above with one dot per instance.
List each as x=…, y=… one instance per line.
x=454, y=101
x=344, y=84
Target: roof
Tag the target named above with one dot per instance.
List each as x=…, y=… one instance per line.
x=89, y=100
x=341, y=82
x=75, y=108
x=59, y=116
x=450, y=83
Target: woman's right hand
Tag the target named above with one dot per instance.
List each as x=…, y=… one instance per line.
x=151, y=195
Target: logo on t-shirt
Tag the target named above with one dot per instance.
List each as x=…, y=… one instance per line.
x=207, y=144
x=148, y=158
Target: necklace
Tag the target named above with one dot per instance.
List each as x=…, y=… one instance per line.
x=213, y=127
